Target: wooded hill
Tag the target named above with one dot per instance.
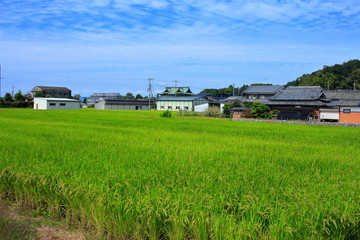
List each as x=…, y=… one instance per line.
x=338, y=76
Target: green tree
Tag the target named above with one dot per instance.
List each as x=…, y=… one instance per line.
x=39, y=94
x=19, y=96
x=8, y=97
x=260, y=111
x=129, y=95
x=226, y=108
x=138, y=96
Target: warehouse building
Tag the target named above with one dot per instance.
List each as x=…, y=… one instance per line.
x=124, y=104
x=56, y=103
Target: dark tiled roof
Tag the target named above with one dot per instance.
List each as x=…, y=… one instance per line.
x=302, y=93
x=52, y=88
x=263, y=89
x=343, y=94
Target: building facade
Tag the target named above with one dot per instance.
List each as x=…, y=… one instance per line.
x=179, y=103
x=56, y=103
x=124, y=104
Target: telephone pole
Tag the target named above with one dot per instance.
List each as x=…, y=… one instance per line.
x=150, y=91
x=0, y=80
x=233, y=89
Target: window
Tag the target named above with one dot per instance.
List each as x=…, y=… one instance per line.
x=186, y=108
x=169, y=107
x=162, y=107
x=177, y=107
x=52, y=104
x=346, y=110
x=62, y=104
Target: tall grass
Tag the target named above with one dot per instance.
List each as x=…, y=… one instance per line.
x=133, y=174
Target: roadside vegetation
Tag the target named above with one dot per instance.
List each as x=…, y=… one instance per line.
x=136, y=175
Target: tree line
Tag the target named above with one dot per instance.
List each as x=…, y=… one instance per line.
x=338, y=76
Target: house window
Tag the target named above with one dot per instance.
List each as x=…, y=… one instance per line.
x=52, y=104
x=177, y=107
x=62, y=104
x=186, y=108
x=347, y=111
x=162, y=107
x=169, y=107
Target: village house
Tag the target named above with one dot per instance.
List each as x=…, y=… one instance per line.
x=55, y=92
x=259, y=93
x=299, y=102
x=56, y=103
x=347, y=104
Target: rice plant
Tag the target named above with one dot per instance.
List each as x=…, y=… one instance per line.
x=134, y=174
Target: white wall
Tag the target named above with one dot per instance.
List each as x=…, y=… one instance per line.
x=201, y=107
x=55, y=104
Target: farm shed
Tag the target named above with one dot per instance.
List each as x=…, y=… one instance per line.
x=56, y=103
x=123, y=104
x=180, y=103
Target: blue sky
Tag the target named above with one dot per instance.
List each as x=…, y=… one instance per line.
x=115, y=45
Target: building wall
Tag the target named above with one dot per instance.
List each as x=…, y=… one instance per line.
x=349, y=117
x=102, y=106
x=175, y=105
x=126, y=107
x=48, y=104
x=201, y=107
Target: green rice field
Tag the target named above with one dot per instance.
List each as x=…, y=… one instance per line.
x=135, y=175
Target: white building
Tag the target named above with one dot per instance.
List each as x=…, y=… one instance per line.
x=124, y=104
x=56, y=103
x=179, y=103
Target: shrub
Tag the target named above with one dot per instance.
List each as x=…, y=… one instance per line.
x=166, y=114
x=212, y=112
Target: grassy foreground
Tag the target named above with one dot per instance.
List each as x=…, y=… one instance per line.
x=132, y=174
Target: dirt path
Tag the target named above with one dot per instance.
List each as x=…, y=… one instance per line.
x=19, y=223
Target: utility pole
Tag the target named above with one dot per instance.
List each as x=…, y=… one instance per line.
x=12, y=92
x=233, y=89
x=175, y=86
x=0, y=80
x=354, y=86
x=150, y=91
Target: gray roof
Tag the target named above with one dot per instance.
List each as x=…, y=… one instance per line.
x=302, y=93
x=105, y=94
x=188, y=98
x=59, y=99
x=343, y=94
x=50, y=88
x=263, y=89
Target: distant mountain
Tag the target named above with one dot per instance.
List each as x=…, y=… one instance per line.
x=338, y=76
